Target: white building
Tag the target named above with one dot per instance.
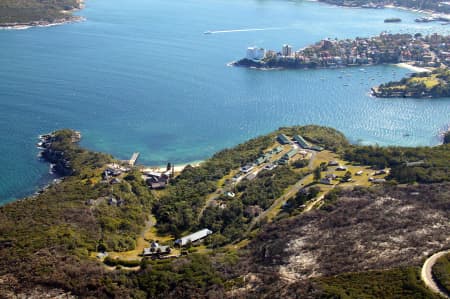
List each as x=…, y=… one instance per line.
x=155, y=249
x=271, y=54
x=193, y=237
x=255, y=53
x=247, y=168
x=286, y=50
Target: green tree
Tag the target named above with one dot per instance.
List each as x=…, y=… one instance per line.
x=447, y=138
x=324, y=166
x=317, y=173
x=347, y=177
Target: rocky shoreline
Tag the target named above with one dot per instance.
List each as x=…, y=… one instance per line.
x=381, y=93
x=280, y=65
x=66, y=18
x=53, y=153
x=56, y=22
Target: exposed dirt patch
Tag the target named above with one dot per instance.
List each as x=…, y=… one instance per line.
x=380, y=229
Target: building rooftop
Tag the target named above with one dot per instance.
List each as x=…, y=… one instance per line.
x=193, y=237
x=283, y=139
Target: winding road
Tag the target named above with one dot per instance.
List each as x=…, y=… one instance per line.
x=427, y=276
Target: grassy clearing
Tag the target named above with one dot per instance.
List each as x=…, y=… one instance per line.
x=397, y=87
x=429, y=82
x=149, y=234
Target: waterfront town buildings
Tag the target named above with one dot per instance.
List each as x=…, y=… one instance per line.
x=255, y=53
x=286, y=50
x=424, y=51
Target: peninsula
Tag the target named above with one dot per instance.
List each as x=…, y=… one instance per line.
x=425, y=5
x=418, y=50
x=434, y=84
x=27, y=13
x=428, y=56
x=299, y=210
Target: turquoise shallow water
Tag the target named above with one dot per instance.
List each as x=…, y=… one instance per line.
x=143, y=77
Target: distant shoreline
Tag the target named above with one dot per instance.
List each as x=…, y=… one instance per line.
x=426, y=11
x=413, y=68
x=28, y=25
x=403, y=65
x=391, y=6
x=68, y=19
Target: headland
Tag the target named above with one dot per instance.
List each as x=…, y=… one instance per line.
x=427, y=6
x=33, y=13
x=416, y=50
x=104, y=229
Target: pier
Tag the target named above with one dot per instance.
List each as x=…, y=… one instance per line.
x=133, y=159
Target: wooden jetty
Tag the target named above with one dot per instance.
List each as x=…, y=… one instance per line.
x=133, y=159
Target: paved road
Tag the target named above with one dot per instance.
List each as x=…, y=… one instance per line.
x=288, y=194
x=255, y=171
x=426, y=275
x=311, y=160
x=291, y=192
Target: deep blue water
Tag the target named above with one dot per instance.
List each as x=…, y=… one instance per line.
x=143, y=77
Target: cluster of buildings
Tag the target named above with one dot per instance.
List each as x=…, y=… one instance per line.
x=385, y=48
x=440, y=46
x=301, y=142
x=113, y=171
x=283, y=139
x=256, y=53
x=328, y=179
x=157, y=180
x=286, y=157
x=156, y=249
x=267, y=156
x=246, y=170
x=159, y=250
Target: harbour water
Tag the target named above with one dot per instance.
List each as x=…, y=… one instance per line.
x=143, y=77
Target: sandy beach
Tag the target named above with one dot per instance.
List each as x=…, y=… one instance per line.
x=428, y=12
x=177, y=168
x=413, y=68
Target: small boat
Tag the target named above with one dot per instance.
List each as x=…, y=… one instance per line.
x=207, y=32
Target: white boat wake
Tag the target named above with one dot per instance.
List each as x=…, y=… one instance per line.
x=243, y=30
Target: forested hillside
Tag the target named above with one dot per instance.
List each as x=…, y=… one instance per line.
x=27, y=11
x=281, y=234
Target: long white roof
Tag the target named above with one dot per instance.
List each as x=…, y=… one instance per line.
x=194, y=237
